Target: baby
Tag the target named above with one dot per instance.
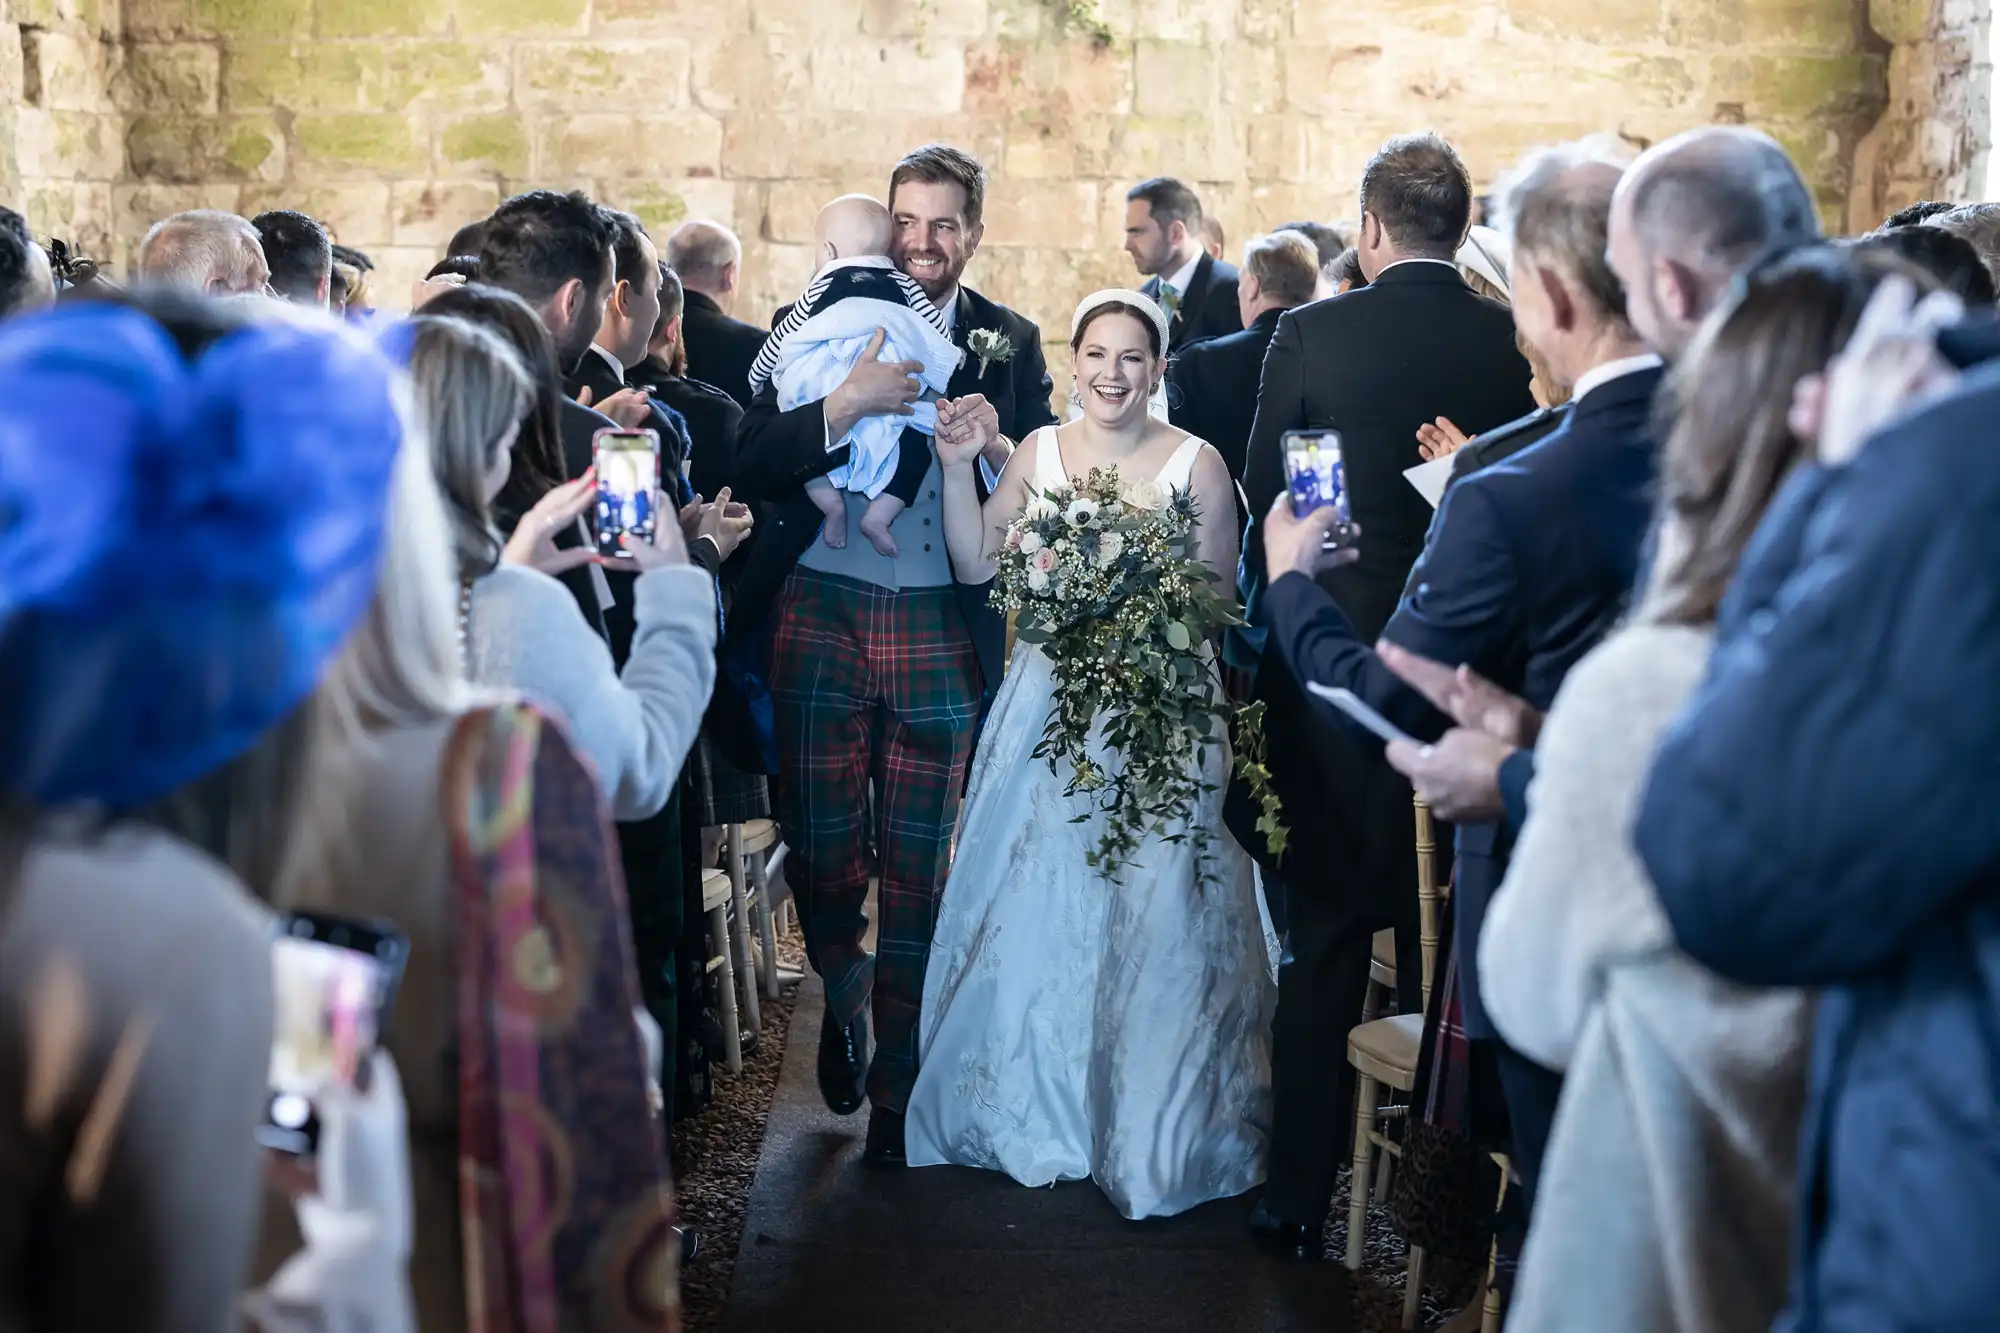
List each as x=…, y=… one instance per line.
x=857, y=291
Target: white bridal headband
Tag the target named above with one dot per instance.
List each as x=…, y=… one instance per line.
x=1122, y=296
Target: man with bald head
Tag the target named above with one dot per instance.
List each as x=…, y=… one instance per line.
x=1693, y=212
x=206, y=251
x=720, y=348
x=1528, y=565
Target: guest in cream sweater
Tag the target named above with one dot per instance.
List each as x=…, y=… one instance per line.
x=520, y=628
x=1666, y=1199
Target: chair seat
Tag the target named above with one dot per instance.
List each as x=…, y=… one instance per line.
x=714, y=889
x=760, y=835
x=1386, y=1050
x=1382, y=963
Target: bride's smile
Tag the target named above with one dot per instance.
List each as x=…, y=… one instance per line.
x=1115, y=366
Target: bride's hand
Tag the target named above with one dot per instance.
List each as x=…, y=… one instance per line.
x=966, y=428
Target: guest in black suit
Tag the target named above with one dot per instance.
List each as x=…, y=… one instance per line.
x=720, y=349
x=1373, y=364
x=1212, y=386
x=878, y=664
x=300, y=256
x=712, y=416
x=1163, y=236
x=1531, y=560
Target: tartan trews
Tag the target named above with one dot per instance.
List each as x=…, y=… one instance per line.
x=877, y=698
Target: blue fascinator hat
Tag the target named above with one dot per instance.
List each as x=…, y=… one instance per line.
x=185, y=540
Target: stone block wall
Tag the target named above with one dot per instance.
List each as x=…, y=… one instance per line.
x=1934, y=139
x=61, y=121
x=398, y=120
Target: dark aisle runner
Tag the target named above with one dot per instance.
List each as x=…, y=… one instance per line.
x=830, y=1245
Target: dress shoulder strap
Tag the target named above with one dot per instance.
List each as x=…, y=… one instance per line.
x=1178, y=473
x=1049, y=470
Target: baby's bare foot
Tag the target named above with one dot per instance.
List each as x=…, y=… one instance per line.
x=877, y=533
x=834, y=533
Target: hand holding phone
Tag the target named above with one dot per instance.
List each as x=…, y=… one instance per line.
x=1350, y=703
x=333, y=981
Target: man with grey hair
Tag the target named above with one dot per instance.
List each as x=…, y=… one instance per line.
x=1978, y=225
x=720, y=348
x=1212, y=386
x=207, y=251
x=1693, y=212
x=1527, y=566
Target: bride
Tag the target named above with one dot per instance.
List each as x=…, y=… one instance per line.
x=1076, y=1025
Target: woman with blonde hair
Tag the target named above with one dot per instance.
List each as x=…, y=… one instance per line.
x=518, y=626
x=1666, y=1195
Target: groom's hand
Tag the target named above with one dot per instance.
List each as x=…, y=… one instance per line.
x=967, y=427
x=873, y=389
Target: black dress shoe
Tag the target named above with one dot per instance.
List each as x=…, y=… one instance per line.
x=885, y=1138
x=690, y=1245
x=843, y=1064
x=1287, y=1240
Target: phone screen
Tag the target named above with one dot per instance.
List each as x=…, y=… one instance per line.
x=628, y=478
x=1314, y=472
x=332, y=982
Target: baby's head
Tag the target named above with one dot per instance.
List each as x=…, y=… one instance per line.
x=852, y=225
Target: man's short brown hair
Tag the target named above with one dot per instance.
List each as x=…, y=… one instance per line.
x=1285, y=265
x=1419, y=190
x=941, y=164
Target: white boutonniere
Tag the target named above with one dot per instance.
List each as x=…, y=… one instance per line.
x=990, y=345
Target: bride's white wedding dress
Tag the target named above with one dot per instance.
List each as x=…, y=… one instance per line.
x=1078, y=1027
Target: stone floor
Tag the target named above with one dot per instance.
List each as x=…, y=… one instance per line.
x=801, y=1237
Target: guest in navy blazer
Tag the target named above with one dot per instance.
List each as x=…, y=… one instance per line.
x=1163, y=236
x=1531, y=561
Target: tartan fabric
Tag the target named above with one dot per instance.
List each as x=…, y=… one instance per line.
x=725, y=794
x=877, y=688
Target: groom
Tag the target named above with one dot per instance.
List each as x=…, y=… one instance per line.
x=878, y=665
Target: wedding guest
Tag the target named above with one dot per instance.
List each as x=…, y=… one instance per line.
x=27, y=282
x=554, y=252
x=1412, y=345
x=1212, y=239
x=1482, y=262
x=720, y=348
x=1343, y=275
x=523, y=631
x=1979, y=226
x=135, y=971
x=299, y=253
x=1511, y=588
x=857, y=636
x=1331, y=245
x=1163, y=236
x=1819, y=817
x=205, y=251
x=1666, y=1198
x=456, y=266
x=1949, y=259
x=712, y=416
x=468, y=240
x=1213, y=384
x=360, y=284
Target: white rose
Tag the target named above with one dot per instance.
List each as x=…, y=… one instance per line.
x=1146, y=495
x=1031, y=542
x=1109, y=547
x=1039, y=509
x=1037, y=581
x=1080, y=513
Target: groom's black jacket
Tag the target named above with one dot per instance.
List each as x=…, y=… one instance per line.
x=777, y=453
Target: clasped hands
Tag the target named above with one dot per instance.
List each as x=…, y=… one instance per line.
x=1459, y=776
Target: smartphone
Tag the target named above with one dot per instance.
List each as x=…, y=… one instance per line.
x=333, y=980
x=1316, y=478
x=1350, y=703
x=628, y=487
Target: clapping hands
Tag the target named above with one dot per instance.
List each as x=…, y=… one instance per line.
x=1459, y=777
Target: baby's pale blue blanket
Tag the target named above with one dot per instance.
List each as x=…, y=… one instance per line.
x=823, y=350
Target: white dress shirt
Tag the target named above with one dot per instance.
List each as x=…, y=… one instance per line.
x=1598, y=376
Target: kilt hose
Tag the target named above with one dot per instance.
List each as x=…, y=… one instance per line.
x=871, y=686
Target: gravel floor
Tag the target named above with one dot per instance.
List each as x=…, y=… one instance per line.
x=718, y=1155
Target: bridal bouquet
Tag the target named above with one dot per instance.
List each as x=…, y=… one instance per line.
x=1104, y=577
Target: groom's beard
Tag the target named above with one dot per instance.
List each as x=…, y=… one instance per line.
x=938, y=281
